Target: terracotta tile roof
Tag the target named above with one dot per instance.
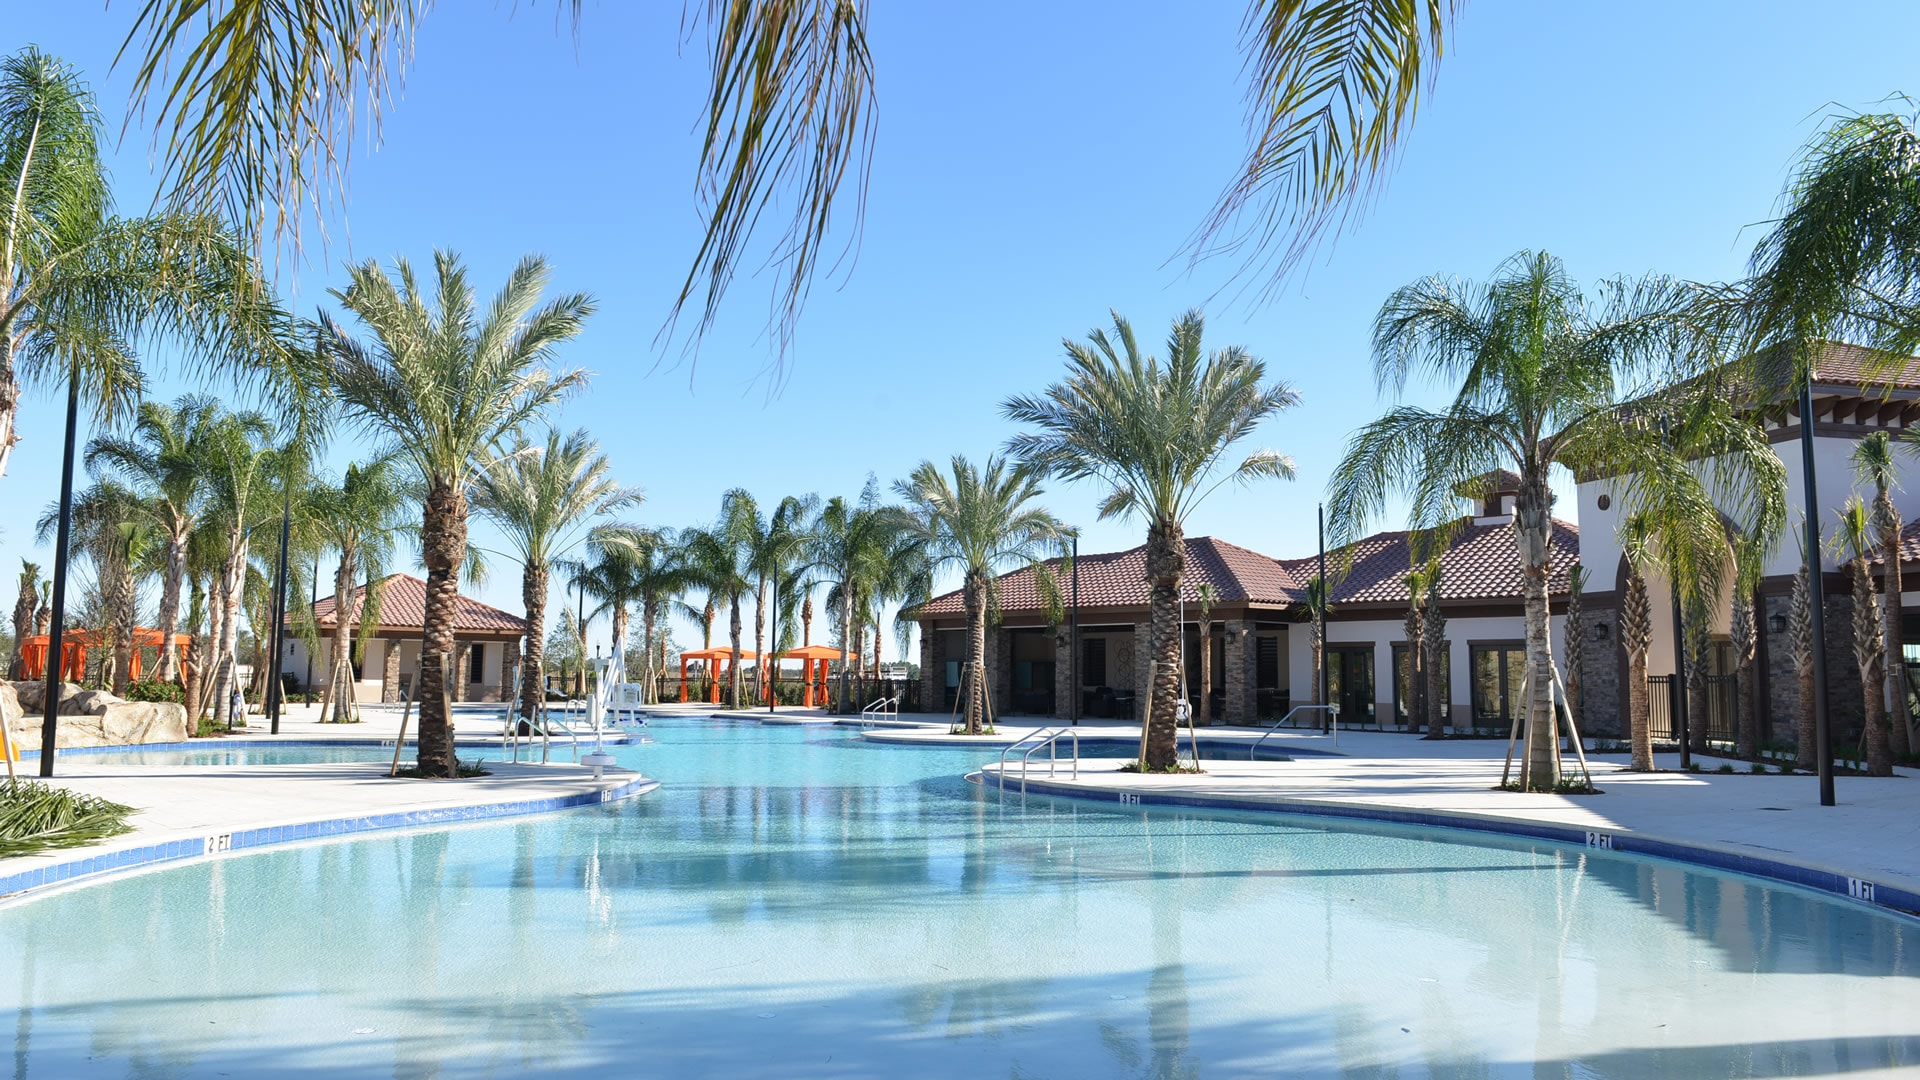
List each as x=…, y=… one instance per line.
x=1909, y=546
x=403, y=604
x=1119, y=579
x=1480, y=564
x=1836, y=364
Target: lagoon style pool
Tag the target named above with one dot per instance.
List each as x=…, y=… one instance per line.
x=794, y=902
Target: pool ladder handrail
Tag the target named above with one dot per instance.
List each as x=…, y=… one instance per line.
x=1050, y=738
x=886, y=708
x=1334, y=709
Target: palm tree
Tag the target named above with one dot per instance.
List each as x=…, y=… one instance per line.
x=1206, y=597
x=24, y=605
x=358, y=521
x=718, y=564
x=112, y=527
x=545, y=500
x=979, y=520
x=1574, y=633
x=1154, y=433
x=848, y=545
x=77, y=284
x=773, y=548
x=1874, y=466
x=1314, y=607
x=241, y=465
x=1800, y=634
x=256, y=112
x=164, y=457
x=1749, y=568
x=1636, y=634
x=1433, y=639
x=1854, y=540
x=1547, y=379
x=1413, y=627
x=449, y=385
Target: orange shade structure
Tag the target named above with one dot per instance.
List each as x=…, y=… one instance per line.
x=816, y=658
x=74, y=644
x=713, y=657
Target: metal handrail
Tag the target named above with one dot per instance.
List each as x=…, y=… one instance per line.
x=1334, y=709
x=1049, y=738
x=887, y=707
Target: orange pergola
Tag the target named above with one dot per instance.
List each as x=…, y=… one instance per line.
x=75, y=643
x=816, y=658
x=714, y=658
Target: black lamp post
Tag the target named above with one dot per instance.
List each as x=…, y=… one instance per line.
x=773, y=642
x=1073, y=641
x=279, y=613
x=56, y=631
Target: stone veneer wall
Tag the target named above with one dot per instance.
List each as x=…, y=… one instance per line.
x=1238, y=677
x=1063, y=688
x=509, y=665
x=1602, y=708
x=457, y=687
x=390, y=670
x=1845, y=709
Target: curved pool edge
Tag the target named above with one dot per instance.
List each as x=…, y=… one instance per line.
x=250, y=741
x=1890, y=899
x=85, y=868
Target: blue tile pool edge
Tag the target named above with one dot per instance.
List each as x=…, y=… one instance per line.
x=111, y=862
x=1890, y=898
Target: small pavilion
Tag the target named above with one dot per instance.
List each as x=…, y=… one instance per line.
x=75, y=643
x=812, y=658
x=816, y=658
x=717, y=661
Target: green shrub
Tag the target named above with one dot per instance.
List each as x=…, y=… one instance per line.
x=156, y=690
x=1726, y=767
x=36, y=816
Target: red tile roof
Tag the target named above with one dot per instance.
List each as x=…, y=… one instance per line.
x=403, y=603
x=1119, y=579
x=1481, y=563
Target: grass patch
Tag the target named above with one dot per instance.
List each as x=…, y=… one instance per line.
x=462, y=770
x=1141, y=767
x=39, y=817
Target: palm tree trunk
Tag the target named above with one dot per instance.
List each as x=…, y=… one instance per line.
x=340, y=690
x=1166, y=561
x=1870, y=653
x=759, y=635
x=1741, y=633
x=1206, y=671
x=733, y=637
x=167, y=665
x=230, y=597
x=974, y=598
x=533, y=596
x=1698, y=708
x=1533, y=533
x=1800, y=618
x=1639, y=730
x=1416, y=669
x=1435, y=661
x=123, y=619
x=647, y=615
x=1892, y=630
x=443, y=547
x=9, y=395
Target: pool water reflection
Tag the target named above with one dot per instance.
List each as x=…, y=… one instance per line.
x=797, y=903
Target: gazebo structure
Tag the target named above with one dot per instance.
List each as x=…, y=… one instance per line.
x=714, y=659
x=816, y=659
x=74, y=644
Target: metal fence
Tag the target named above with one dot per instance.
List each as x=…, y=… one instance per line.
x=860, y=691
x=1723, y=696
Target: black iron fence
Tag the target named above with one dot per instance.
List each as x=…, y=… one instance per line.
x=1719, y=723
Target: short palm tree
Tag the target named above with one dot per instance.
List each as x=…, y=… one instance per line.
x=25, y=603
x=1206, y=598
x=547, y=500
x=359, y=521
x=1154, y=432
x=1800, y=639
x=1547, y=379
x=1854, y=540
x=1413, y=628
x=1875, y=467
x=112, y=525
x=1749, y=568
x=980, y=520
x=449, y=384
x=1314, y=606
x=1433, y=640
x=1636, y=634
x=164, y=458
x=1574, y=632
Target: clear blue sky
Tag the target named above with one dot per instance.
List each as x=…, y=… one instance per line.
x=1037, y=164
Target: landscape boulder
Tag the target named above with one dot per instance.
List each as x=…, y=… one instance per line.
x=89, y=718
x=88, y=703
x=33, y=695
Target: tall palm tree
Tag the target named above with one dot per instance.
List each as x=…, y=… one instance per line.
x=256, y=107
x=449, y=384
x=1874, y=466
x=848, y=549
x=164, y=456
x=241, y=466
x=773, y=547
x=77, y=284
x=1154, y=433
x=1854, y=540
x=546, y=501
x=1548, y=379
x=1433, y=639
x=359, y=521
x=718, y=564
x=979, y=520
x=24, y=604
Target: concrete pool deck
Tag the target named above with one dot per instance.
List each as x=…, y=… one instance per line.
x=1769, y=825
x=190, y=812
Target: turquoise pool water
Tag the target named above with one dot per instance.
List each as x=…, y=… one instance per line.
x=231, y=754
x=795, y=903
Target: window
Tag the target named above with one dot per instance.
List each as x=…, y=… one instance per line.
x=1497, y=670
x=1093, y=662
x=1266, y=663
x=1350, y=682
x=474, y=666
